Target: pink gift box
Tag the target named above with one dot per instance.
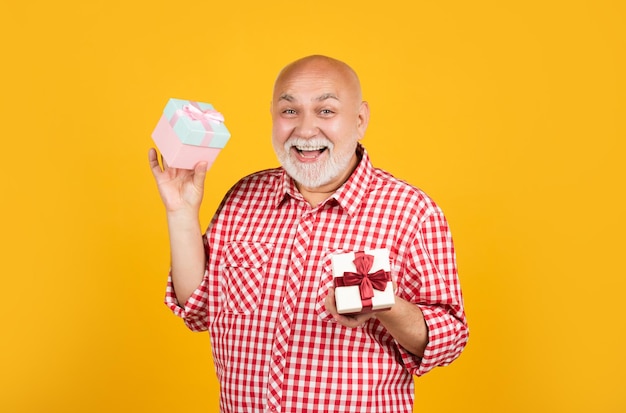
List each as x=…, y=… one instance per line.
x=362, y=281
x=189, y=132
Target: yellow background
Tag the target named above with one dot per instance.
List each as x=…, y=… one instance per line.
x=510, y=114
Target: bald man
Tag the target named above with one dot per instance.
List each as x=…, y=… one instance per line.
x=260, y=280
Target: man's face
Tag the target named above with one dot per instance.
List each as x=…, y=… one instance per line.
x=318, y=118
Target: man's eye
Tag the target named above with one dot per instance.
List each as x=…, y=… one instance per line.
x=289, y=112
x=326, y=112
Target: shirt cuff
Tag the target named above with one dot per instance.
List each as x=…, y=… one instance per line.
x=447, y=337
x=194, y=311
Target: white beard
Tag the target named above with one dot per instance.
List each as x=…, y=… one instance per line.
x=316, y=174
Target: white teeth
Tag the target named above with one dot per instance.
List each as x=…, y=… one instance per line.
x=309, y=148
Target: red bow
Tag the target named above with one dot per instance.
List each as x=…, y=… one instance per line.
x=367, y=282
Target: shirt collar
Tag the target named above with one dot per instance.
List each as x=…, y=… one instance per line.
x=348, y=196
x=286, y=186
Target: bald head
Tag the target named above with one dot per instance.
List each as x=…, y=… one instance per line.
x=319, y=68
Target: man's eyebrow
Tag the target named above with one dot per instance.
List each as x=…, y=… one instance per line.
x=320, y=98
x=327, y=96
x=287, y=97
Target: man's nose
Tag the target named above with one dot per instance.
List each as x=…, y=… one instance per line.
x=307, y=127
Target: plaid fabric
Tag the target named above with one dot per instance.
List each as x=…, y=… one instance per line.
x=275, y=347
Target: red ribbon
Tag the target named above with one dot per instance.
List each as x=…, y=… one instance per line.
x=367, y=282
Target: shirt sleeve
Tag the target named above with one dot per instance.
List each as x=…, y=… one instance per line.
x=194, y=311
x=431, y=281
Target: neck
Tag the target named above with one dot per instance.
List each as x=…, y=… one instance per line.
x=314, y=196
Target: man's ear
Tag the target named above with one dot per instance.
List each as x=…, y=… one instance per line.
x=363, y=118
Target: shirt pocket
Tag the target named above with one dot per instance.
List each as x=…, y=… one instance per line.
x=244, y=268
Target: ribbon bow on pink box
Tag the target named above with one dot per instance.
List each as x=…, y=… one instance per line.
x=204, y=116
x=196, y=123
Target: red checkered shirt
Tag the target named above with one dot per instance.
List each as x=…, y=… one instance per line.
x=275, y=347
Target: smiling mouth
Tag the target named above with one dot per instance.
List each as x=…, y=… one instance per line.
x=310, y=152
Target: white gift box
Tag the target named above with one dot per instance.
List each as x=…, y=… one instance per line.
x=348, y=298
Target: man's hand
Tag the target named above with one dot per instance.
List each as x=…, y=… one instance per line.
x=180, y=189
x=351, y=320
x=404, y=321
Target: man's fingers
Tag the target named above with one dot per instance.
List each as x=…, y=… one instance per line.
x=154, y=161
x=330, y=302
x=351, y=321
x=199, y=174
x=164, y=162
